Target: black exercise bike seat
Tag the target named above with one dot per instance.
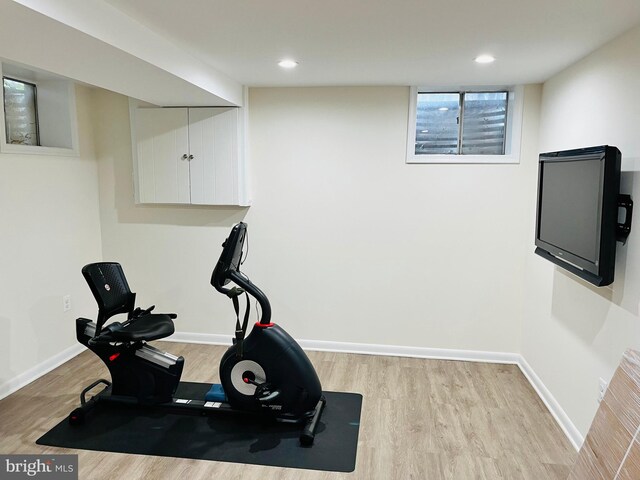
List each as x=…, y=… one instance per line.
x=152, y=326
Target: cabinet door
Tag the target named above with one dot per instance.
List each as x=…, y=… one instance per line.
x=162, y=142
x=213, y=142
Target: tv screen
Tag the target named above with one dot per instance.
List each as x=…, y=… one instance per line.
x=577, y=211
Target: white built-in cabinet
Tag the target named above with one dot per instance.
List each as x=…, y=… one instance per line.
x=189, y=156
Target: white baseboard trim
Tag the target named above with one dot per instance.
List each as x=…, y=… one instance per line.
x=366, y=349
x=562, y=419
x=413, y=352
x=203, y=338
x=35, y=372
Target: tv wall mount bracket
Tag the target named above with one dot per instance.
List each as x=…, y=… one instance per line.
x=623, y=229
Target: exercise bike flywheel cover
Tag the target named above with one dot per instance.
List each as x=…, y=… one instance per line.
x=238, y=373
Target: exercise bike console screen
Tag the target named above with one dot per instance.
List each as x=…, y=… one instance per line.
x=230, y=257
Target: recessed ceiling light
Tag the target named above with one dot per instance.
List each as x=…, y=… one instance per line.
x=485, y=59
x=443, y=109
x=424, y=131
x=288, y=63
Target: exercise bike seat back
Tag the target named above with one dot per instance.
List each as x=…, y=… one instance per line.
x=113, y=295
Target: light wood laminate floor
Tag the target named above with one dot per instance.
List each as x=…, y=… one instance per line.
x=421, y=419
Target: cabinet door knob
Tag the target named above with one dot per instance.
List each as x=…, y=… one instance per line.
x=184, y=156
x=190, y=157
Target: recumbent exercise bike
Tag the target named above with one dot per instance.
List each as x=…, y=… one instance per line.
x=266, y=373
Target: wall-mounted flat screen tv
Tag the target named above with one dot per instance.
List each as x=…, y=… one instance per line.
x=577, y=214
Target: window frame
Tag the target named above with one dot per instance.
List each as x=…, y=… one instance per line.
x=35, y=76
x=35, y=106
x=513, y=132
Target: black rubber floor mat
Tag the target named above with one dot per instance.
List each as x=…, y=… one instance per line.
x=222, y=437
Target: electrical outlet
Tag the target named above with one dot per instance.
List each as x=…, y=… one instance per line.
x=66, y=303
x=603, y=384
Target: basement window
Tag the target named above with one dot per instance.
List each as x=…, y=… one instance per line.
x=39, y=112
x=20, y=112
x=467, y=126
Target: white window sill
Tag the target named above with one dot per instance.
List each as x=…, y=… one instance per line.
x=36, y=150
x=456, y=159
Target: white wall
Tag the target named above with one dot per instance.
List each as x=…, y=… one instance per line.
x=167, y=252
x=349, y=242
x=574, y=333
x=49, y=228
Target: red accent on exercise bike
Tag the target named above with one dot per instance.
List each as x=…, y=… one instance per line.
x=264, y=325
x=114, y=356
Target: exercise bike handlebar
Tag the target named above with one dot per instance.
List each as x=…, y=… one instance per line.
x=249, y=287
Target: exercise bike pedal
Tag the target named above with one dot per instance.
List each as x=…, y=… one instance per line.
x=264, y=391
x=267, y=396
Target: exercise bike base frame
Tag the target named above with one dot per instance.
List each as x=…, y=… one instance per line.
x=186, y=406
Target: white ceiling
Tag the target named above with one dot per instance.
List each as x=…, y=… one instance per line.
x=386, y=42
x=94, y=43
